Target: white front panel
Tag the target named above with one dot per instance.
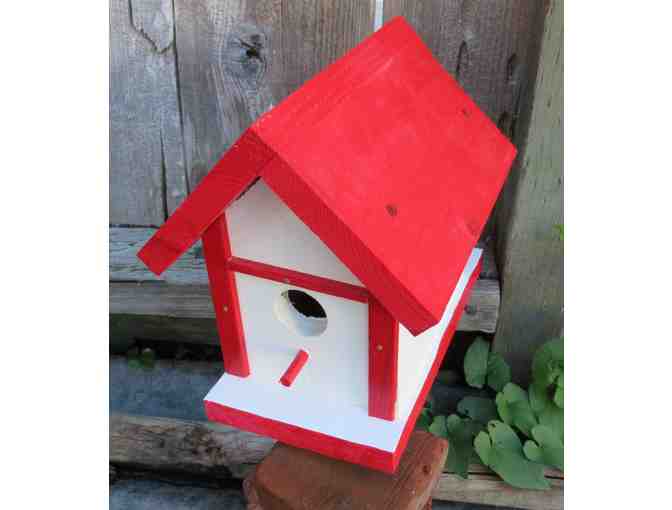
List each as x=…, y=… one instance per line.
x=337, y=367
x=262, y=228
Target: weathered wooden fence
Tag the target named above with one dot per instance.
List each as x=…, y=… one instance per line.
x=187, y=76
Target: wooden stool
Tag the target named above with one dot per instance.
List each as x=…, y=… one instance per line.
x=293, y=479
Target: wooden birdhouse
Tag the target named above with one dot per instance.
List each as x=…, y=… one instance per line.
x=339, y=235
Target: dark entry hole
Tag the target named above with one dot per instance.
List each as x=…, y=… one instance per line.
x=301, y=313
x=306, y=304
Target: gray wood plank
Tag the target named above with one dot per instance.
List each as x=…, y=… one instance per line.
x=238, y=58
x=189, y=269
x=485, y=44
x=153, y=494
x=216, y=451
x=193, y=301
x=147, y=172
x=531, y=252
x=196, y=447
x=125, y=265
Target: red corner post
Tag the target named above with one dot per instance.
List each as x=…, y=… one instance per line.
x=224, y=294
x=383, y=356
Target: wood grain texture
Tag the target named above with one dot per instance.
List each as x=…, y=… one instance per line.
x=484, y=44
x=294, y=479
x=233, y=173
x=216, y=451
x=529, y=247
x=237, y=59
x=189, y=269
x=147, y=171
x=125, y=265
x=488, y=489
x=193, y=302
x=166, y=444
x=488, y=46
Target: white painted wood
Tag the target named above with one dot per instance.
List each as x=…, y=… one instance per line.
x=330, y=395
x=338, y=357
x=262, y=228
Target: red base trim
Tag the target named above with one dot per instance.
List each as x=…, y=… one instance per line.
x=303, y=438
x=330, y=446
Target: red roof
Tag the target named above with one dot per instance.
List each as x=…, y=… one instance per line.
x=384, y=157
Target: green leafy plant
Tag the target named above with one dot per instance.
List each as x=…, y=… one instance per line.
x=138, y=359
x=517, y=433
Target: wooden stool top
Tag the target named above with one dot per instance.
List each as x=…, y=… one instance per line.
x=293, y=479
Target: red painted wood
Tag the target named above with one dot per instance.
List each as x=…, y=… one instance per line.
x=294, y=368
x=443, y=347
x=231, y=175
x=307, y=281
x=330, y=446
x=383, y=362
x=225, y=298
x=384, y=157
x=393, y=166
x=302, y=438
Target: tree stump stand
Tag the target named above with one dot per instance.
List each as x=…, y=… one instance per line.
x=293, y=479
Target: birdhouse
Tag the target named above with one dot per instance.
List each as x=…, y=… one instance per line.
x=339, y=235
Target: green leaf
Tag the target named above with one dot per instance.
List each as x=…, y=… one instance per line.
x=503, y=436
x=502, y=451
x=461, y=434
x=532, y=451
x=559, y=397
x=438, y=427
x=548, y=362
x=499, y=372
x=478, y=409
x=483, y=445
x=547, y=448
x=553, y=417
x=424, y=420
x=539, y=398
x=560, y=227
x=513, y=406
x=503, y=408
x=476, y=363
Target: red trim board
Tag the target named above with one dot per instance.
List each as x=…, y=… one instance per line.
x=236, y=170
x=330, y=446
x=305, y=280
x=224, y=295
x=383, y=362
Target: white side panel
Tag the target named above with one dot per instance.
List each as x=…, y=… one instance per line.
x=262, y=228
x=330, y=395
x=417, y=353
